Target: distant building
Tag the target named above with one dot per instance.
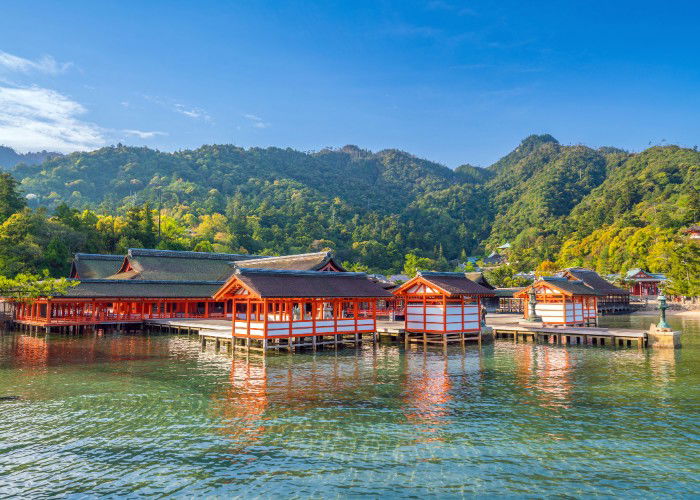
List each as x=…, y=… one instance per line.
x=530, y=276
x=494, y=259
x=643, y=283
x=505, y=246
x=398, y=278
x=693, y=232
x=610, y=297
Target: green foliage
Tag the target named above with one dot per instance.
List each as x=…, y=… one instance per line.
x=10, y=199
x=382, y=212
x=684, y=270
x=414, y=263
x=27, y=286
x=504, y=276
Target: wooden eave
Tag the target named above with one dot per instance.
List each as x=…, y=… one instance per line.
x=420, y=280
x=524, y=292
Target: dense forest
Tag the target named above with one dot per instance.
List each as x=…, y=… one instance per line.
x=384, y=211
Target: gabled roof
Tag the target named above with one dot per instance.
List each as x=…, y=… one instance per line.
x=494, y=258
x=593, y=280
x=116, y=289
x=507, y=293
x=652, y=276
x=270, y=283
x=147, y=264
x=478, y=277
x=564, y=285
x=316, y=261
x=450, y=283
x=94, y=265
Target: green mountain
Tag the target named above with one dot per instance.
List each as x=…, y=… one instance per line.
x=374, y=208
x=9, y=157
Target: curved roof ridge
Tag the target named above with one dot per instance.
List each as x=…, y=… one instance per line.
x=98, y=256
x=146, y=282
x=290, y=256
x=186, y=254
x=243, y=271
x=446, y=274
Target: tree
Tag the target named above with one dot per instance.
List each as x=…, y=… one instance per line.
x=204, y=246
x=684, y=275
x=26, y=286
x=414, y=263
x=10, y=199
x=546, y=268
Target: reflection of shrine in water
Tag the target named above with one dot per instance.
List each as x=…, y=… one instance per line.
x=430, y=380
x=36, y=352
x=262, y=392
x=295, y=385
x=547, y=370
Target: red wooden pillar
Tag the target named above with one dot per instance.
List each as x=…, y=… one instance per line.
x=265, y=318
x=356, y=312
x=444, y=314
x=313, y=315
x=248, y=311
x=233, y=317
x=374, y=315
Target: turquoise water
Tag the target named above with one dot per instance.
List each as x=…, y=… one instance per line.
x=136, y=415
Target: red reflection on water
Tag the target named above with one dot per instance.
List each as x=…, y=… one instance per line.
x=427, y=395
x=546, y=372
x=554, y=377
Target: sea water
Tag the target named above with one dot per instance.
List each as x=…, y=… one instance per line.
x=134, y=415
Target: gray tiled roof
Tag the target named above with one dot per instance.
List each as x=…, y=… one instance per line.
x=94, y=266
x=593, y=280
x=176, y=265
x=455, y=283
x=478, y=277
x=105, y=288
x=300, y=262
x=576, y=287
x=269, y=283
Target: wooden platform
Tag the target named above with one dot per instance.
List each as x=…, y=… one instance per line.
x=504, y=326
x=620, y=337
x=214, y=327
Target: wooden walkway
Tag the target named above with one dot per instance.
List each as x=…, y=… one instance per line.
x=503, y=325
x=620, y=337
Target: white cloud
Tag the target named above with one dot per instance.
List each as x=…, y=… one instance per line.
x=143, y=134
x=188, y=111
x=34, y=118
x=256, y=121
x=45, y=64
x=194, y=113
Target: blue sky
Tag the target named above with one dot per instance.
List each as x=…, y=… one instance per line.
x=454, y=82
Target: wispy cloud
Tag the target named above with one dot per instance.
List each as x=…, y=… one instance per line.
x=141, y=134
x=172, y=105
x=33, y=118
x=194, y=113
x=45, y=64
x=256, y=121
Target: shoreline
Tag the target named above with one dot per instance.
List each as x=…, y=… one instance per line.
x=669, y=312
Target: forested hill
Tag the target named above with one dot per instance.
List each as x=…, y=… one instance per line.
x=374, y=208
x=9, y=157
